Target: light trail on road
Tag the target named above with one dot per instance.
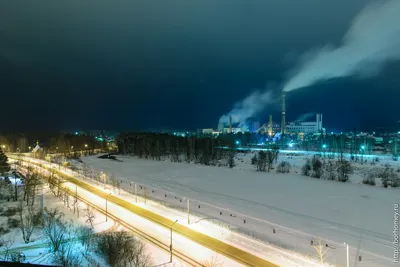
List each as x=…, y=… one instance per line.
x=201, y=240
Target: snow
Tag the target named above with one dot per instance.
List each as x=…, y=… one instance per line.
x=298, y=208
x=180, y=243
x=36, y=251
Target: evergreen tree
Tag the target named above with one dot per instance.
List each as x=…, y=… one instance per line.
x=4, y=165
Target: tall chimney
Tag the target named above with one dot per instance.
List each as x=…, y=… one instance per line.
x=270, y=125
x=230, y=124
x=283, y=120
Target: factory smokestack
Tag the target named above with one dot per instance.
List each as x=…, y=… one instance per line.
x=230, y=124
x=270, y=125
x=283, y=120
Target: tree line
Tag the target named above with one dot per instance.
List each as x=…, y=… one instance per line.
x=205, y=150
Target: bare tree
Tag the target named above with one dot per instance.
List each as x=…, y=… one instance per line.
x=86, y=236
x=29, y=221
x=54, y=228
x=270, y=159
x=6, y=244
x=66, y=255
x=32, y=182
x=89, y=214
x=213, y=262
x=321, y=251
x=91, y=261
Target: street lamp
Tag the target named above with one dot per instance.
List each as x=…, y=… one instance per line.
x=347, y=255
x=107, y=207
x=324, y=148
x=170, y=246
x=86, y=145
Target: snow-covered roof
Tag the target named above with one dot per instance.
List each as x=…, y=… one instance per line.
x=36, y=149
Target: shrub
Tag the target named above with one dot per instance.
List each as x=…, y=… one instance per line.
x=329, y=173
x=283, y=167
x=317, y=170
x=344, y=169
x=122, y=249
x=368, y=181
x=306, y=169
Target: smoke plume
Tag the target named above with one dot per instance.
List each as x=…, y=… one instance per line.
x=372, y=39
x=304, y=117
x=249, y=107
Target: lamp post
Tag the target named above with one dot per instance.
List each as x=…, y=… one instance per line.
x=362, y=154
x=170, y=246
x=347, y=255
x=107, y=207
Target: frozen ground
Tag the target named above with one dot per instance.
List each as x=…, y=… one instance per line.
x=297, y=207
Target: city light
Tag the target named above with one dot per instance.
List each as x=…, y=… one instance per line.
x=324, y=146
x=291, y=145
x=237, y=142
x=362, y=147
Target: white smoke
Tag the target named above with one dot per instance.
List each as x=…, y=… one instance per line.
x=372, y=39
x=248, y=108
x=305, y=117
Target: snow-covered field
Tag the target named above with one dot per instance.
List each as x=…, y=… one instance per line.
x=298, y=208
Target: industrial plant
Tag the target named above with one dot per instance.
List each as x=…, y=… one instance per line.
x=272, y=128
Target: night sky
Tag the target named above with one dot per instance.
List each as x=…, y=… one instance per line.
x=175, y=64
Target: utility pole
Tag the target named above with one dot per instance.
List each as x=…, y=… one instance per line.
x=136, y=192
x=15, y=185
x=107, y=207
x=42, y=203
x=170, y=246
x=347, y=255
x=188, y=210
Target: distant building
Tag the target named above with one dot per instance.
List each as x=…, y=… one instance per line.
x=306, y=127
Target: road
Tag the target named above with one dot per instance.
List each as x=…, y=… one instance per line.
x=119, y=206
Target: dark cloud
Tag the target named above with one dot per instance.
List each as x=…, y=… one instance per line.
x=140, y=64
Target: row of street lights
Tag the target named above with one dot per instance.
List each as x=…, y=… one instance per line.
x=171, y=227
